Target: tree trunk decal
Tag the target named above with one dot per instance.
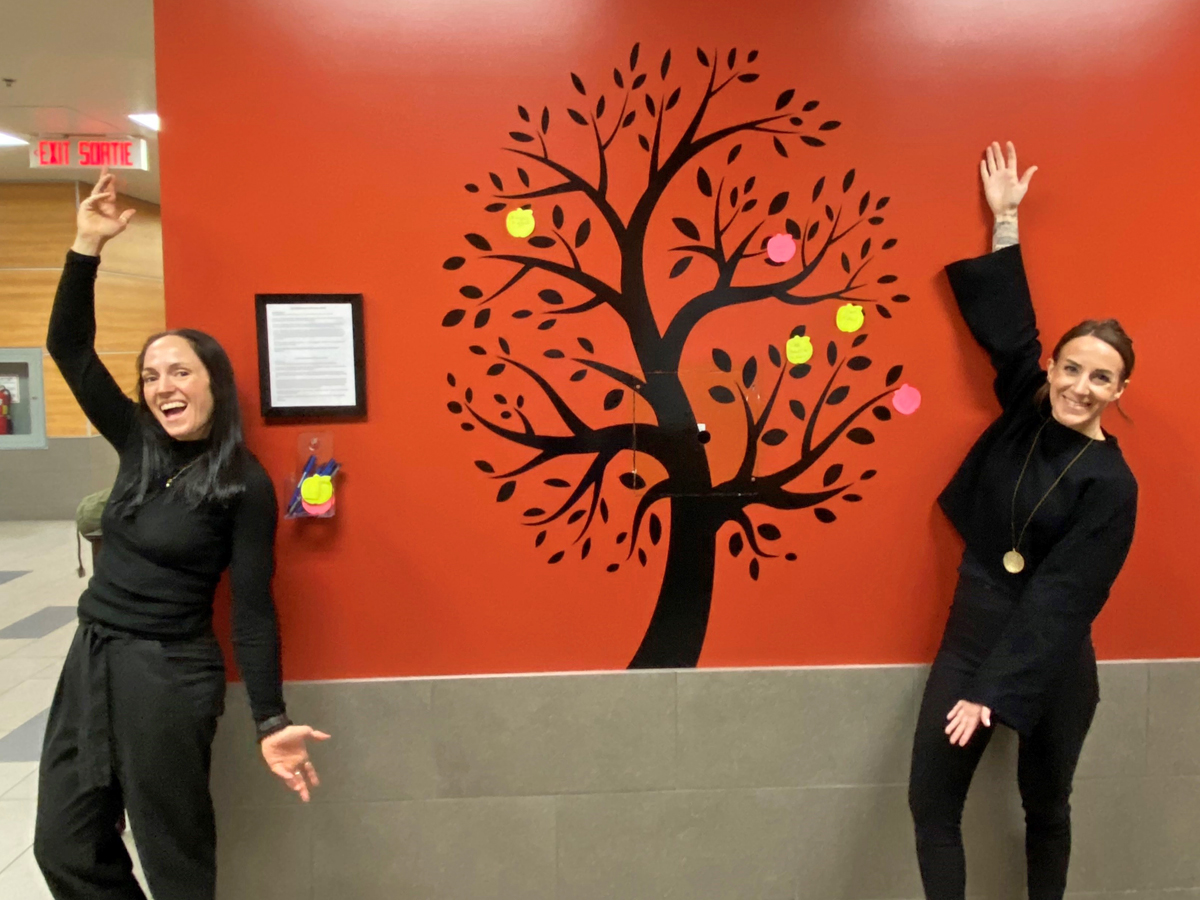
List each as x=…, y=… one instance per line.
x=753, y=253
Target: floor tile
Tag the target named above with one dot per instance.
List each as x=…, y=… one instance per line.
x=41, y=623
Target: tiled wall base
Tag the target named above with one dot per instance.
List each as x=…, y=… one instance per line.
x=48, y=484
x=778, y=784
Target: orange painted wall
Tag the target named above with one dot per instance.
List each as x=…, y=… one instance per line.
x=350, y=130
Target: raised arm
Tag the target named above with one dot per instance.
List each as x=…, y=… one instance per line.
x=72, y=333
x=992, y=291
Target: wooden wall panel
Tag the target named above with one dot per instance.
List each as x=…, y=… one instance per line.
x=37, y=224
x=128, y=310
x=64, y=418
x=26, y=296
x=139, y=250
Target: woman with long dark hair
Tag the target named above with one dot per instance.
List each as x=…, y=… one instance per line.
x=1046, y=505
x=136, y=708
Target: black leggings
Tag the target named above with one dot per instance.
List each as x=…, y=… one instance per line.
x=941, y=773
x=130, y=727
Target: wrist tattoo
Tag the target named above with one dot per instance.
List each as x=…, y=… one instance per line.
x=1004, y=234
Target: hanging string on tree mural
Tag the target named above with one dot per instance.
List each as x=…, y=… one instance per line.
x=753, y=257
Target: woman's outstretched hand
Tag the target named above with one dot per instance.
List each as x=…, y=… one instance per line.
x=98, y=220
x=1001, y=185
x=286, y=754
x=964, y=719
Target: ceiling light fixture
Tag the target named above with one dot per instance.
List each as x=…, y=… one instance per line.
x=147, y=120
x=11, y=140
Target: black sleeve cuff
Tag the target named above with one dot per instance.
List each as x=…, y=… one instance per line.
x=267, y=727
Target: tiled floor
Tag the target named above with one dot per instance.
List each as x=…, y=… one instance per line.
x=38, y=592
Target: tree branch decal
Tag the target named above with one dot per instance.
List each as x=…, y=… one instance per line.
x=748, y=237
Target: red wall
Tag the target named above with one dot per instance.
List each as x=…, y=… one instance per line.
x=350, y=129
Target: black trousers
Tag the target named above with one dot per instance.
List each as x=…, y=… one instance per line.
x=941, y=773
x=130, y=728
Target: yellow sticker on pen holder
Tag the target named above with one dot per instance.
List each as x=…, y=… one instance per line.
x=316, y=490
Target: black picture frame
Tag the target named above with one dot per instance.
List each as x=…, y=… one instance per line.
x=268, y=406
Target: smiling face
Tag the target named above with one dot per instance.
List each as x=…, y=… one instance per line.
x=1087, y=376
x=176, y=388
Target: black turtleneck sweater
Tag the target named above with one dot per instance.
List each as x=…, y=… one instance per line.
x=1076, y=543
x=159, y=568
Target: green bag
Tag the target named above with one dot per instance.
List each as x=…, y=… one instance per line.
x=87, y=522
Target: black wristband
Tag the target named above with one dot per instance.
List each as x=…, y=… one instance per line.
x=268, y=727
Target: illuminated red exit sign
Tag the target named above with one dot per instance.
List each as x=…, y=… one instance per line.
x=88, y=152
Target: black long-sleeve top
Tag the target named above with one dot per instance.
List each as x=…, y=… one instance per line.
x=158, y=570
x=1077, y=542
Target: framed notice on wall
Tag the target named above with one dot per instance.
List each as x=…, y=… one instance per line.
x=310, y=355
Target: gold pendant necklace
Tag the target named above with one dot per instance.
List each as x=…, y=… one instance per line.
x=1014, y=562
x=183, y=469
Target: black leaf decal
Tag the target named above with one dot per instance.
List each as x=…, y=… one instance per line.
x=467, y=426
x=818, y=187
x=886, y=279
x=680, y=267
x=732, y=57
x=551, y=296
x=645, y=144
x=883, y=311
x=575, y=80
x=900, y=298
x=749, y=372
x=736, y=544
x=451, y=379
x=620, y=82
x=812, y=231
x=557, y=557
x=524, y=176
x=876, y=220
x=494, y=207
x=889, y=243
x=704, y=182
x=749, y=186
x=547, y=325
x=847, y=181
x=812, y=141
x=484, y=466
x=883, y=201
x=860, y=436
x=454, y=262
x=612, y=567
x=830, y=125
x=579, y=374
x=824, y=515
x=837, y=395
x=673, y=99
x=864, y=203
x=587, y=548
x=586, y=344
x=721, y=394
x=633, y=56
x=472, y=188
x=721, y=360
x=793, y=228
x=868, y=475
x=470, y=292
x=749, y=205
x=478, y=241
x=642, y=556
x=893, y=375
x=538, y=540
x=613, y=398
x=858, y=363
x=882, y=413
x=702, y=56
x=553, y=353
x=733, y=154
x=655, y=529
x=829, y=212
x=790, y=557
x=811, y=105
x=687, y=228
x=773, y=355
x=866, y=248
x=621, y=537
x=639, y=81
x=522, y=314
x=453, y=317
x=796, y=120
x=542, y=242
x=774, y=437
x=576, y=516
x=800, y=371
x=851, y=498
x=859, y=341
x=482, y=317
x=769, y=532
x=831, y=352
x=784, y=99
x=778, y=203
x=506, y=491
x=846, y=263
x=583, y=232
x=797, y=409
x=632, y=480
x=577, y=116
x=748, y=77
x=534, y=511
x=752, y=56
x=600, y=107
x=496, y=180
x=604, y=510
x=477, y=350
x=557, y=482
x=558, y=217
x=666, y=65
x=650, y=105
x=495, y=369
x=832, y=474
x=523, y=113
x=521, y=136
x=545, y=119
x=733, y=197
x=455, y=407
x=782, y=151
x=629, y=118
x=754, y=568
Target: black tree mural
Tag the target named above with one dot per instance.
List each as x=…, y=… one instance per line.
x=836, y=237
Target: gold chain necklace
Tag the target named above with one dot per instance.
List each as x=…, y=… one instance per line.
x=183, y=469
x=1014, y=562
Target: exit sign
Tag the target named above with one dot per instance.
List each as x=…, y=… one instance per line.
x=88, y=152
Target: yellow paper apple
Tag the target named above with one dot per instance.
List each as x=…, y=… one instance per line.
x=799, y=349
x=520, y=223
x=316, y=489
x=850, y=317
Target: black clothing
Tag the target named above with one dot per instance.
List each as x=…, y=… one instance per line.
x=130, y=727
x=1048, y=754
x=1076, y=544
x=1019, y=644
x=158, y=570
